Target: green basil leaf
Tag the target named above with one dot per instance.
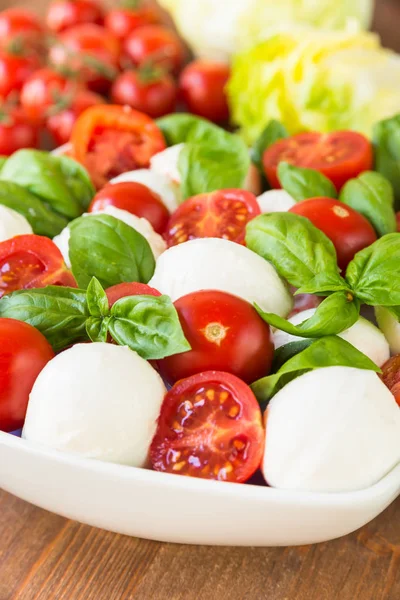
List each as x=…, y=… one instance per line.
x=303, y=184
x=77, y=179
x=97, y=328
x=327, y=352
x=149, y=325
x=288, y=351
x=57, y=180
x=96, y=299
x=298, y=250
x=59, y=313
x=334, y=315
x=41, y=218
x=185, y=128
x=273, y=132
x=374, y=273
x=371, y=194
x=322, y=284
x=106, y=248
x=2, y=161
x=386, y=138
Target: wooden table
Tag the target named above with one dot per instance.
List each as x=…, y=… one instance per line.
x=46, y=557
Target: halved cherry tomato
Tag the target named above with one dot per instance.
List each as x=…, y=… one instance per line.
x=210, y=426
x=122, y=290
x=43, y=90
x=24, y=352
x=16, y=131
x=31, y=261
x=340, y=156
x=349, y=231
x=156, y=45
x=137, y=199
x=14, y=70
x=391, y=376
x=202, y=87
x=225, y=333
x=122, y=21
x=21, y=24
x=221, y=214
x=109, y=140
x=63, y=14
x=152, y=91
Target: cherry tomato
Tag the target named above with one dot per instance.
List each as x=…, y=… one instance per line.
x=21, y=24
x=222, y=214
x=136, y=199
x=44, y=89
x=90, y=52
x=210, y=426
x=16, y=131
x=156, y=45
x=151, y=91
x=14, y=70
x=63, y=14
x=340, y=156
x=63, y=116
x=122, y=290
x=398, y=221
x=202, y=86
x=304, y=302
x=24, y=352
x=349, y=231
x=391, y=376
x=225, y=333
x=31, y=261
x=109, y=140
x=122, y=21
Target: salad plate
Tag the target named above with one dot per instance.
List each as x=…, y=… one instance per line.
x=172, y=508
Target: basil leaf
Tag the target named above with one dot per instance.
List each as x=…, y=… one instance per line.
x=303, y=184
x=324, y=284
x=2, y=161
x=298, y=250
x=334, y=315
x=97, y=328
x=149, y=325
x=186, y=128
x=52, y=178
x=386, y=138
x=59, y=313
x=327, y=352
x=273, y=132
x=371, y=194
x=106, y=248
x=77, y=179
x=96, y=299
x=288, y=351
x=374, y=273
x=41, y=218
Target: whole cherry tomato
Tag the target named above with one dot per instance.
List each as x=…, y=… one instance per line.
x=63, y=14
x=202, y=87
x=157, y=45
x=16, y=131
x=15, y=68
x=21, y=25
x=122, y=290
x=122, y=21
x=391, y=376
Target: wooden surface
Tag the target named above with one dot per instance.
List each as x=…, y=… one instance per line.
x=45, y=557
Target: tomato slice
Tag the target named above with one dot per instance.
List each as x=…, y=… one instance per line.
x=31, y=261
x=121, y=290
x=221, y=214
x=391, y=376
x=340, y=156
x=109, y=140
x=210, y=427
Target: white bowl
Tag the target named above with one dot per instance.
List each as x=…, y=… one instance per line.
x=173, y=508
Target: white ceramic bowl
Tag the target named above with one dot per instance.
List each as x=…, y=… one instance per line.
x=174, y=508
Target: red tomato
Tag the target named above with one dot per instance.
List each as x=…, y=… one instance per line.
x=398, y=221
x=136, y=199
x=24, y=352
x=391, y=376
x=151, y=91
x=44, y=89
x=63, y=116
x=340, y=156
x=222, y=214
x=63, y=14
x=202, y=86
x=21, y=24
x=122, y=290
x=304, y=302
x=14, y=70
x=31, y=261
x=225, y=333
x=90, y=52
x=156, y=45
x=349, y=231
x=122, y=21
x=109, y=140
x=16, y=131
x=210, y=426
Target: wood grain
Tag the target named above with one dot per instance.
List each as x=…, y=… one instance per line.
x=45, y=557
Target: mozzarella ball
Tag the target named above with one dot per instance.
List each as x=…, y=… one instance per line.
x=275, y=201
x=168, y=191
x=217, y=264
x=142, y=226
x=12, y=223
x=99, y=401
x=363, y=335
x=390, y=326
x=335, y=429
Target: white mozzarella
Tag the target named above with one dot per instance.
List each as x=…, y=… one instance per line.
x=390, y=326
x=275, y=201
x=12, y=223
x=165, y=163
